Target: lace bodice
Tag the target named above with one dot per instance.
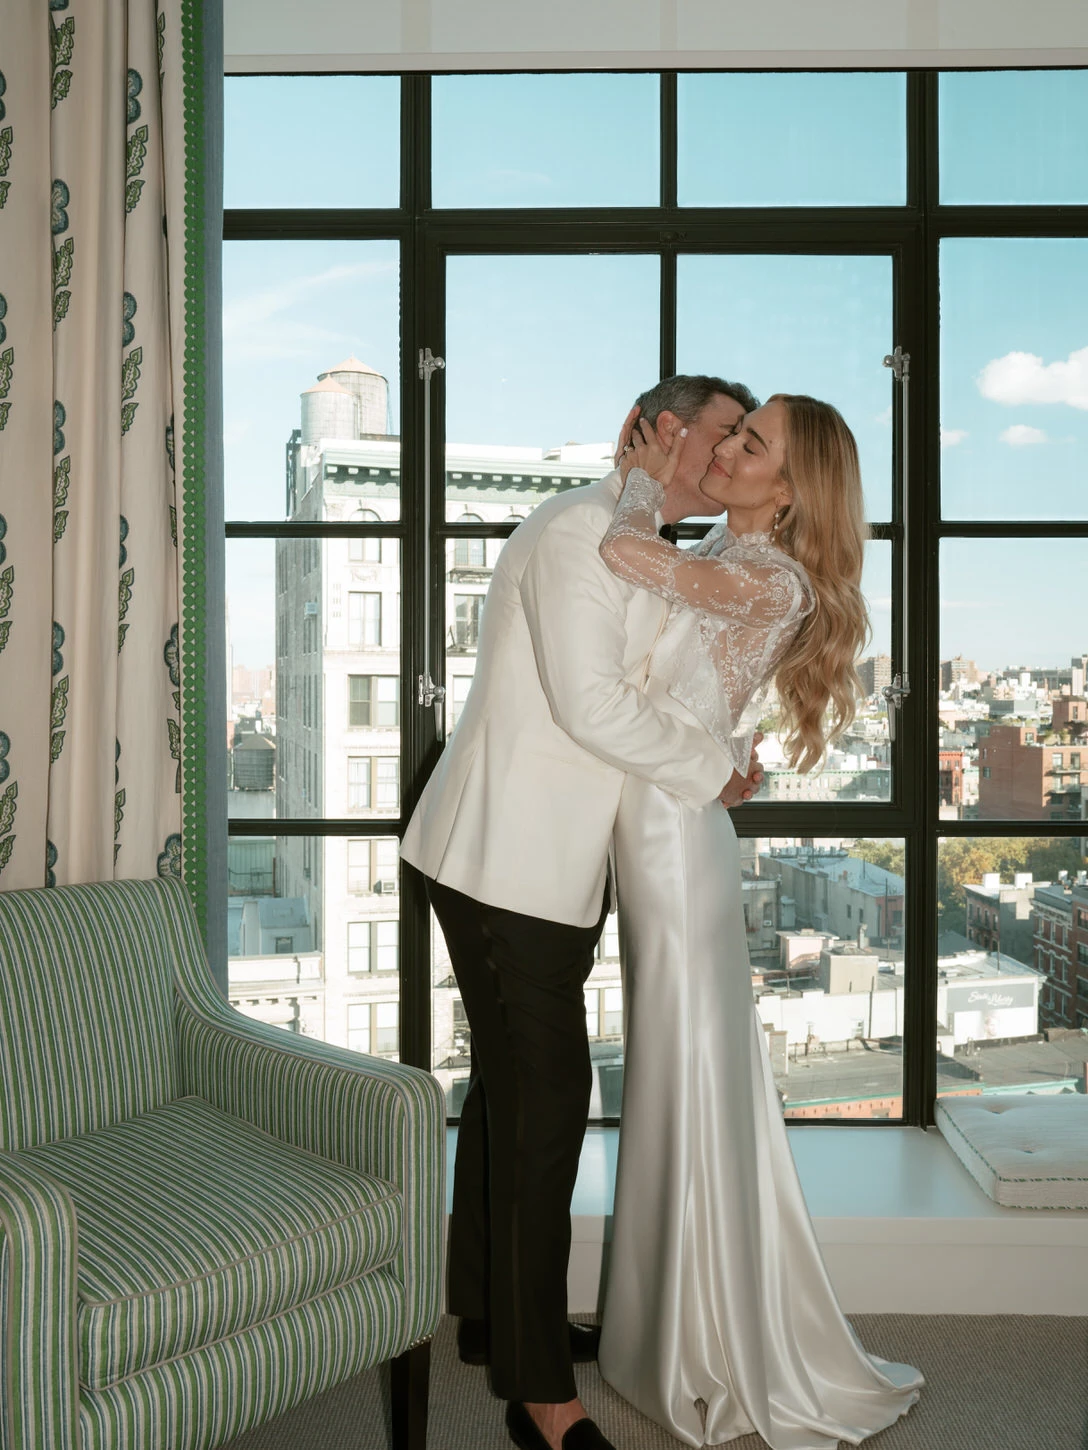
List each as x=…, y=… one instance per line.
x=737, y=604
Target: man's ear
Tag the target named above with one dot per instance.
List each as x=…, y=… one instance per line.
x=668, y=426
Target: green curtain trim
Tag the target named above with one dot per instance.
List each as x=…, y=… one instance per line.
x=194, y=625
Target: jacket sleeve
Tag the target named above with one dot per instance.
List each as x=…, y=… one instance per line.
x=576, y=612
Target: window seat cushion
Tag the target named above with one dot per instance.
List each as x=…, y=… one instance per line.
x=193, y=1225
x=1026, y=1150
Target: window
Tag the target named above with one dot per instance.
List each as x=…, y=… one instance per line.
x=358, y=866
x=364, y=620
x=387, y=794
x=613, y=1012
x=459, y=688
x=470, y=553
x=365, y=551
x=374, y=1028
x=823, y=281
x=1082, y=954
x=466, y=629
x=374, y=700
x=359, y=947
x=373, y=946
x=359, y=783
x=285, y=944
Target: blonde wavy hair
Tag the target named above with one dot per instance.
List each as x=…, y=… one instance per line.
x=824, y=529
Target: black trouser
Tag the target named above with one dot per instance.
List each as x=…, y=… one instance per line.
x=522, y=1125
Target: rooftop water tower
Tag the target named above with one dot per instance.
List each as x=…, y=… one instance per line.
x=369, y=389
x=328, y=411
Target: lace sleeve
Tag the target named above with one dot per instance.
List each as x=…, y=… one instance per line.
x=755, y=592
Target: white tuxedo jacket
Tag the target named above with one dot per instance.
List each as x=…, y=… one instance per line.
x=520, y=808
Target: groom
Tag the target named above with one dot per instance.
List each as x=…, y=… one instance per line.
x=512, y=834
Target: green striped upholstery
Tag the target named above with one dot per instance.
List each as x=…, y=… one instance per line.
x=213, y=1394
x=194, y=1225
x=106, y=1006
x=97, y=1046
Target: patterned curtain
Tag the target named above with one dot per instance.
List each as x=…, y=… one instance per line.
x=92, y=352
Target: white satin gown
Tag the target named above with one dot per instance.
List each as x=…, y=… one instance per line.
x=719, y=1317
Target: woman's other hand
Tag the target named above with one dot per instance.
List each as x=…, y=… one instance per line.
x=625, y=436
x=648, y=452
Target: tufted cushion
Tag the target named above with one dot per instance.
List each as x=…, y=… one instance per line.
x=1027, y=1150
x=194, y=1225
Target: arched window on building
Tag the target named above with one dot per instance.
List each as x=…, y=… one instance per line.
x=365, y=551
x=470, y=553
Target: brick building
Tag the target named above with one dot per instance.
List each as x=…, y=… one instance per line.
x=999, y=915
x=1060, y=942
x=1030, y=773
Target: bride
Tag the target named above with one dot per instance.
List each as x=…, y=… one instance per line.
x=719, y=1317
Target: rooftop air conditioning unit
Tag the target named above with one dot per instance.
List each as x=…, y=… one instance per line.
x=385, y=888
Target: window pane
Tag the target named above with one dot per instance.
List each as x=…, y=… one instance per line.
x=1014, y=378
x=336, y=137
x=310, y=928
x=1014, y=137
x=858, y=765
x=452, y=1034
x=544, y=357
x=799, y=324
x=314, y=705
x=545, y=140
x=1011, y=954
x=821, y=139
x=1014, y=719
x=311, y=365
x=825, y=924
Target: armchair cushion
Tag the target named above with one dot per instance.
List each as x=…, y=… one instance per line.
x=194, y=1225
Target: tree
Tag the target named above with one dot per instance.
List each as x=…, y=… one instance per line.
x=964, y=860
x=889, y=854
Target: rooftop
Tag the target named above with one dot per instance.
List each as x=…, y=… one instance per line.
x=859, y=875
x=352, y=365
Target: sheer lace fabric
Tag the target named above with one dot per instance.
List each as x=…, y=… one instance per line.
x=737, y=605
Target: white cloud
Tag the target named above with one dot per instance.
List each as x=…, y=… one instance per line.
x=1022, y=377
x=884, y=418
x=1022, y=435
x=254, y=326
x=950, y=437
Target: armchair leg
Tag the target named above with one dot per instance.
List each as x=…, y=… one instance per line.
x=410, y=1377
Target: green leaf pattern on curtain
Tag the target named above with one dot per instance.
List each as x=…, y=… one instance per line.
x=6, y=138
x=62, y=473
x=59, y=711
x=7, y=587
x=89, y=563
x=7, y=364
x=62, y=42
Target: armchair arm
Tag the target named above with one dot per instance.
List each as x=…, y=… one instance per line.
x=39, y=1356
x=381, y=1118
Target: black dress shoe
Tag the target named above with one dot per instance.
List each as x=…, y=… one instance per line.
x=582, y=1435
x=472, y=1346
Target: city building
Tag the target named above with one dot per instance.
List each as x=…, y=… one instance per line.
x=337, y=720
x=999, y=914
x=1052, y=952
x=1031, y=772
x=952, y=764
x=958, y=671
x=839, y=893
x=875, y=671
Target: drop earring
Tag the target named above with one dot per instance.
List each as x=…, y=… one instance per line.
x=775, y=524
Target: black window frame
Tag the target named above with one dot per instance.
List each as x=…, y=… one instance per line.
x=912, y=234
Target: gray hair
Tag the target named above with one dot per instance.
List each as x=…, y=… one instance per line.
x=687, y=394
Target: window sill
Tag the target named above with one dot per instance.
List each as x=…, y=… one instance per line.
x=902, y=1226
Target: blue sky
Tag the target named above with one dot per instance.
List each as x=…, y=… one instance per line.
x=544, y=350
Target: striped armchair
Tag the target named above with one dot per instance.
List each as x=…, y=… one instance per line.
x=203, y=1220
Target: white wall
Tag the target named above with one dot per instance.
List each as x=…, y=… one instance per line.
x=574, y=34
